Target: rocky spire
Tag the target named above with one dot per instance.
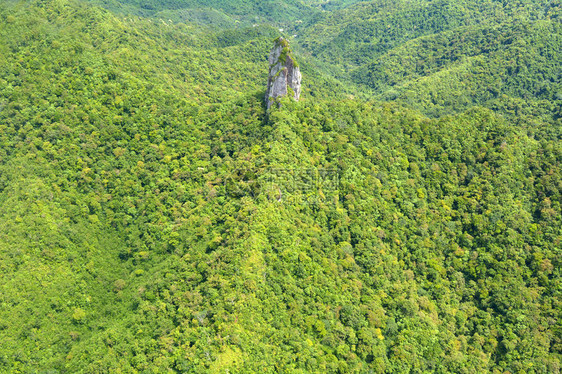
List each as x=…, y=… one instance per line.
x=284, y=73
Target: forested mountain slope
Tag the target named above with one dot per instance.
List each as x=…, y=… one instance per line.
x=229, y=13
x=512, y=68
x=359, y=33
x=445, y=56
x=154, y=217
x=436, y=56
x=216, y=13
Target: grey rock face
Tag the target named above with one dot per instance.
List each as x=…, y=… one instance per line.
x=284, y=74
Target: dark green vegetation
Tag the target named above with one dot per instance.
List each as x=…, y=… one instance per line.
x=222, y=13
x=154, y=219
x=228, y=13
x=446, y=56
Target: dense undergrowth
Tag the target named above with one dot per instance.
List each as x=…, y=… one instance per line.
x=154, y=218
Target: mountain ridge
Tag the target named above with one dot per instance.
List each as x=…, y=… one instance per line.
x=155, y=217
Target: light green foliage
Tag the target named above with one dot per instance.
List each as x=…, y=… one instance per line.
x=154, y=218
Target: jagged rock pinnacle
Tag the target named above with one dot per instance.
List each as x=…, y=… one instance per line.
x=284, y=73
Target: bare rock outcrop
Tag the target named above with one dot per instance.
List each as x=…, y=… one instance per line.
x=284, y=74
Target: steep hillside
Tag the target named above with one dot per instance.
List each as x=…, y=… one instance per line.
x=443, y=56
x=489, y=66
x=106, y=130
x=436, y=56
x=155, y=218
x=230, y=13
x=216, y=13
x=353, y=36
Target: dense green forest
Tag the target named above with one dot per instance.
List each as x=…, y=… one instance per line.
x=228, y=13
x=403, y=217
x=442, y=56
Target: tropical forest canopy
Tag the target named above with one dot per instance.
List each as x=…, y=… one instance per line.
x=403, y=217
